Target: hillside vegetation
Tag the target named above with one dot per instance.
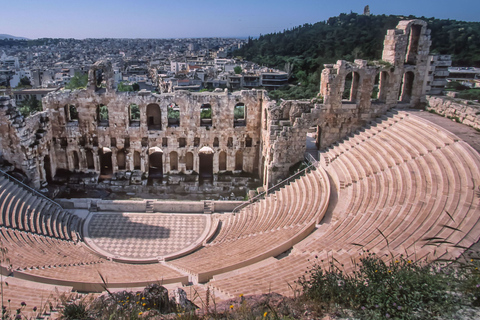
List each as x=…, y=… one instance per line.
x=349, y=36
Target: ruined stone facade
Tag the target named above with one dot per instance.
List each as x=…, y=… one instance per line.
x=105, y=133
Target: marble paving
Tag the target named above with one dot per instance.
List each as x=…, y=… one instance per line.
x=144, y=235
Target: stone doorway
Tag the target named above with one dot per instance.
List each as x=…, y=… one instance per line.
x=155, y=170
x=206, y=165
x=106, y=168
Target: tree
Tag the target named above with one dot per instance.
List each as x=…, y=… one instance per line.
x=123, y=87
x=78, y=81
x=238, y=70
x=30, y=105
x=25, y=82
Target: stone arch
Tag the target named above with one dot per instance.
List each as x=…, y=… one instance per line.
x=383, y=86
x=413, y=43
x=248, y=141
x=102, y=115
x=173, y=161
x=407, y=87
x=205, y=157
x=71, y=113
x=121, y=160
x=155, y=161
x=173, y=115
x=134, y=115
x=239, y=115
x=239, y=160
x=189, y=161
x=136, y=161
x=90, y=161
x=351, y=85
x=222, y=161
x=205, y=115
x=106, y=167
x=215, y=142
x=76, y=160
x=154, y=117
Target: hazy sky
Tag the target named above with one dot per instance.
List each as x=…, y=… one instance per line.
x=200, y=18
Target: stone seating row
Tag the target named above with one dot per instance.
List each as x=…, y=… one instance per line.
x=31, y=251
x=417, y=199
x=22, y=209
x=277, y=222
x=287, y=207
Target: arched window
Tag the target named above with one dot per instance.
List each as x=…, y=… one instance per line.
x=239, y=160
x=222, y=161
x=350, y=91
x=173, y=160
x=134, y=113
x=136, y=160
x=215, y=142
x=383, y=86
x=173, y=114
x=413, y=42
x=121, y=160
x=102, y=115
x=230, y=142
x=154, y=117
x=205, y=115
x=189, y=161
x=71, y=114
x=239, y=115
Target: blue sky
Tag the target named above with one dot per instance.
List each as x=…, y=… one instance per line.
x=200, y=18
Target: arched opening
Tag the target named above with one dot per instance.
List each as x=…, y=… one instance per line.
x=121, y=163
x=206, y=165
x=215, y=142
x=155, y=170
x=350, y=91
x=239, y=160
x=134, y=112
x=407, y=87
x=102, y=115
x=173, y=161
x=90, y=162
x=76, y=160
x=136, y=160
x=47, y=166
x=205, y=115
x=413, y=42
x=248, y=141
x=230, y=142
x=98, y=78
x=105, y=155
x=189, y=161
x=173, y=114
x=71, y=113
x=383, y=86
x=154, y=117
x=239, y=115
x=222, y=161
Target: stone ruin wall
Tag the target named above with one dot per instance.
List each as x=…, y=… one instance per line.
x=402, y=82
x=277, y=131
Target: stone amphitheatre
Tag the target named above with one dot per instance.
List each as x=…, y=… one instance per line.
x=385, y=179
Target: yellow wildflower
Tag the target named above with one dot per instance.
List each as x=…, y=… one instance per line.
x=144, y=304
x=265, y=314
x=140, y=313
x=241, y=295
x=143, y=298
x=231, y=306
x=409, y=261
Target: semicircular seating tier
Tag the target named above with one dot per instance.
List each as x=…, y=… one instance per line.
x=401, y=185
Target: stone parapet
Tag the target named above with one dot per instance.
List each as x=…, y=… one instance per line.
x=462, y=111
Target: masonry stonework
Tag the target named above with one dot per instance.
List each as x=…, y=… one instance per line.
x=104, y=134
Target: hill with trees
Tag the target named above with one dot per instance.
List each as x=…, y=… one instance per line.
x=349, y=36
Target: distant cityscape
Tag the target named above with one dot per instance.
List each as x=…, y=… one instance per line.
x=156, y=65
